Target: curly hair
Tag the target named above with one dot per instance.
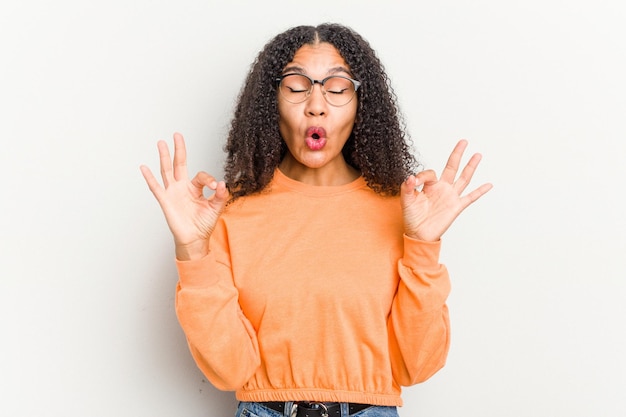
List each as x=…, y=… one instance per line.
x=379, y=145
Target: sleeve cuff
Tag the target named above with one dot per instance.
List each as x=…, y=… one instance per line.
x=421, y=254
x=196, y=273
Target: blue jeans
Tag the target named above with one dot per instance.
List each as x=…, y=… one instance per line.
x=252, y=409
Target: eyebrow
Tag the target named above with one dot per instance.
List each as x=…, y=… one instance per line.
x=299, y=70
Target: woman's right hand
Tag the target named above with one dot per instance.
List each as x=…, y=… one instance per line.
x=190, y=216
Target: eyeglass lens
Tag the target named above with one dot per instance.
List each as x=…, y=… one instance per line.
x=296, y=88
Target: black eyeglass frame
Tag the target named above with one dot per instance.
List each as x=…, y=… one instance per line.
x=354, y=82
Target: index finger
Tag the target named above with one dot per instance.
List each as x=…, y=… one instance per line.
x=180, y=157
x=153, y=184
x=452, y=166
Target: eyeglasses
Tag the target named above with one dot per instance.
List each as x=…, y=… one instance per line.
x=336, y=89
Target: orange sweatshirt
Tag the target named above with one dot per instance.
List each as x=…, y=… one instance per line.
x=314, y=293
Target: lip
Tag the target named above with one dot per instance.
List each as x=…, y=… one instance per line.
x=316, y=132
x=315, y=138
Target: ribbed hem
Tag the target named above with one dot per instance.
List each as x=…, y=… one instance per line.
x=320, y=395
x=421, y=254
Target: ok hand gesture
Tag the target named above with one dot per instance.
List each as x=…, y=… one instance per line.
x=430, y=212
x=190, y=216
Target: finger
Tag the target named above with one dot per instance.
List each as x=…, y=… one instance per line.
x=220, y=195
x=475, y=195
x=408, y=190
x=452, y=165
x=409, y=185
x=427, y=177
x=152, y=182
x=180, y=157
x=468, y=172
x=166, y=163
x=202, y=179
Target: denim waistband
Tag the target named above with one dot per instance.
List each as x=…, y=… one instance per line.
x=259, y=409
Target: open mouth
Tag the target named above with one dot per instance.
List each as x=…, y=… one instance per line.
x=316, y=132
x=315, y=138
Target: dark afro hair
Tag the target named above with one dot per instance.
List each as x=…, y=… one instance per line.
x=379, y=146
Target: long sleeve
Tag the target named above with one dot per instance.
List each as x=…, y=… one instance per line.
x=221, y=339
x=419, y=326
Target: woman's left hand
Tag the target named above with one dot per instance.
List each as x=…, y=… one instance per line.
x=429, y=212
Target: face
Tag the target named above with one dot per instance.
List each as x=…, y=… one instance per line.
x=314, y=130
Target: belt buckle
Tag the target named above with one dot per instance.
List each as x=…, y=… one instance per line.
x=324, y=408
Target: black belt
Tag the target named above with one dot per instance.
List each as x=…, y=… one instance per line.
x=316, y=409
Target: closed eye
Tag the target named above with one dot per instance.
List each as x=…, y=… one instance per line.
x=337, y=91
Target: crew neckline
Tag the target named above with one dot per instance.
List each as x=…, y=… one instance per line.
x=317, y=190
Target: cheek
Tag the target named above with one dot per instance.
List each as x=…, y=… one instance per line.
x=350, y=110
x=282, y=112
x=349, y=118
x=287, y=119
x=285, y=128
x=285, y=109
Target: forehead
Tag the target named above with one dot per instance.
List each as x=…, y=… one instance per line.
x=322, y=57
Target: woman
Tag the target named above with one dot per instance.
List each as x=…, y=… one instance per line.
x=309, y=281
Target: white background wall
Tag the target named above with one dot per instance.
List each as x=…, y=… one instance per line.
x=86, y=273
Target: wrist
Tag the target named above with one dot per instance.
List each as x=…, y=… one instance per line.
x=192, y=251
x=422, y=237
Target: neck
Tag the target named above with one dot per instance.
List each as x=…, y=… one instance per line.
x=337, y=174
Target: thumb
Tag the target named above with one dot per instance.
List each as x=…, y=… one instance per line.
x=407, y=190
x=412, y=183
x=221, y=195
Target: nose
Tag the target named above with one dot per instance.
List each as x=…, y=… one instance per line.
x=316, y=103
